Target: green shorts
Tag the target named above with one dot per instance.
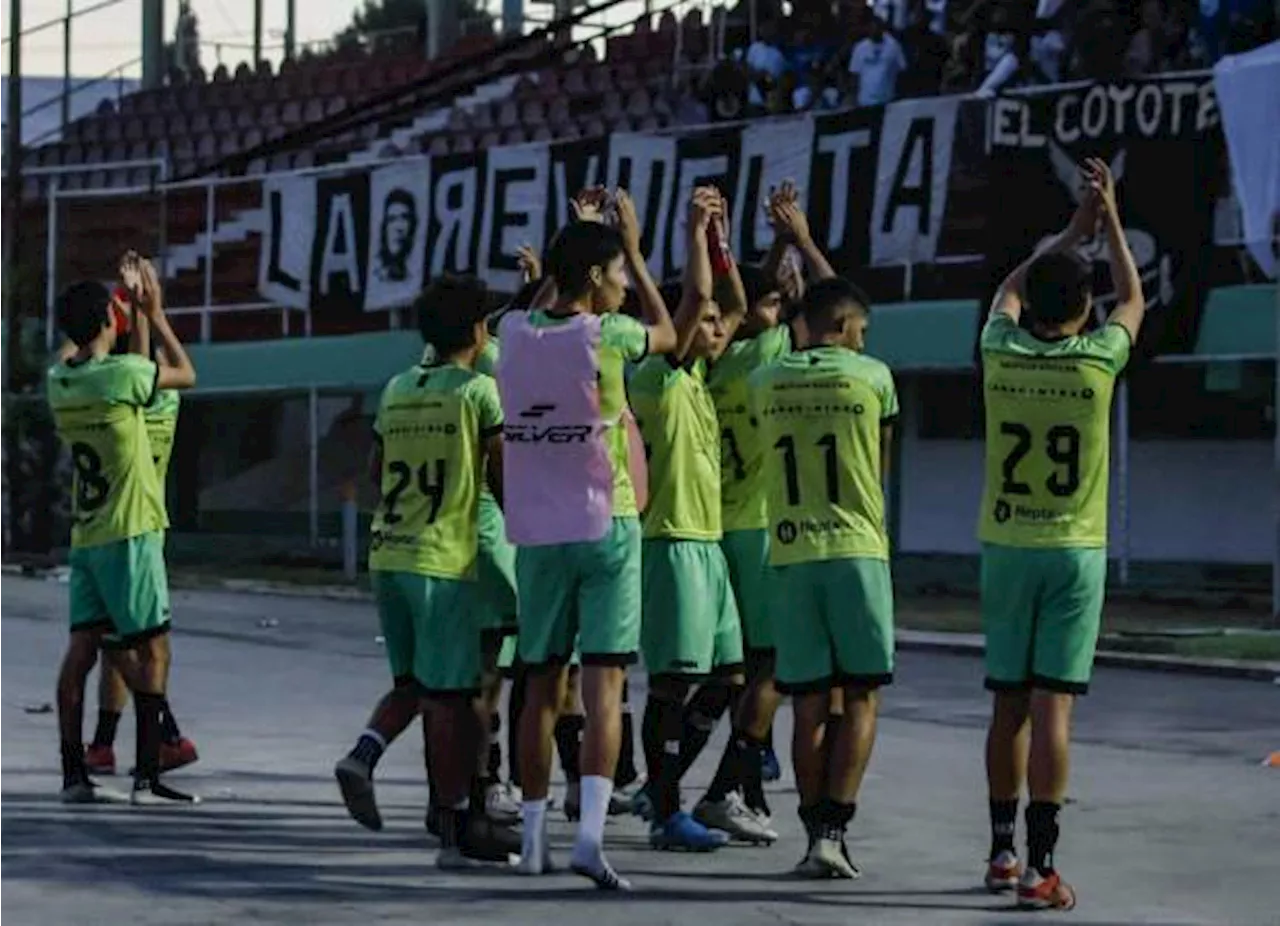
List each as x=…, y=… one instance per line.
x=589, y=591
x=431, y=628
x=837, y=627
x=747, y=553
x=1041, y=613
x=121, y=587
x=690, y=621
x=495, y=568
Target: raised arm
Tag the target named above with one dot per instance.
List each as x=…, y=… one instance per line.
x=132, y=278
x=1131, y=304
x=788, y=215
x=699, y=281
x=653, y=311
x=733, y=294
x=1008, y=297
x=176, y=371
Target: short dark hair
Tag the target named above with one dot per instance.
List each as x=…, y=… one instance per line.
x=577, y=248
x=757, y=284
x=1058, y=288
x=83, y=311
x=448, y=311
x=826, y=303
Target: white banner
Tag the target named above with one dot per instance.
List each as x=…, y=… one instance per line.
x=645, y=166
x=515, y=210
x=911, y=179
x=772, y=152
x=399, y=214
x=284, y=270
x=1248, y=90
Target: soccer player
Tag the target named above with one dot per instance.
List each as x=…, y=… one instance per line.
x=825, y=414
x=1047, y=388
x=118, y=583
x=756, y=341
x=690, y=632
x=438, y=435
x=140, y=278
x=572, y=511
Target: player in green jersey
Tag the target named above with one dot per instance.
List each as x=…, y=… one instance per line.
x=757, y=339
x=118, y=583
x=690, y=631
x=1047, y=389
x=139, y=276
x=588, y=592
x=825, y=415
x=438, y=433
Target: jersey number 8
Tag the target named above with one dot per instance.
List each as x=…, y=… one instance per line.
x=1061, y=446
x=431, y=489
x=92, y=486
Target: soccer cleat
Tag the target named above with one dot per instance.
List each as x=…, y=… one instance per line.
x=355, y=780
x=828, y=857
x=486, y=841
x=502, y=803
x=1044, y=892
x=90, y=792
x=682, y=832
x=177, y=755
x=158, y=794
x=622, y=800
x=100, y=760
x=732, y=816
x=599, y=871
x=453, y=859
x=770, y=770
x=1003, y=872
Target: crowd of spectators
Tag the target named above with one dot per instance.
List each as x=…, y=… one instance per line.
x=826, y=54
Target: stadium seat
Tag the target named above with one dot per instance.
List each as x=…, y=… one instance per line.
x=639, y=104
x=224, y=120
x=463, y=144
x=627, y=77
x=207, y=147
x=314, y=110
x=534, y=113
x=439, y=145
x=593, y=128
x=514, y=136
x=600, y=80
x=508, y=115
x=542, y=133
x=575, y=83
x=611, y=106
x=489, y=140
x=559, y=113
x=291, y=113
x=482, y=116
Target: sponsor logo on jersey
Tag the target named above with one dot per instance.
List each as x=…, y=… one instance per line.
x=554, y=434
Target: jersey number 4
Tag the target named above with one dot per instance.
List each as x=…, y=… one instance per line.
x=827, y=442
x=1061, y=446
x=430, y=486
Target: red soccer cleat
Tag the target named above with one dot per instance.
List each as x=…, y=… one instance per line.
x=176, y=755
x=1041, y=892
x=100, y=760
x=1003, y=872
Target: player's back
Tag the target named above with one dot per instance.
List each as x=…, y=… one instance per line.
x=1048, y=415
x=162, y=427
x=432, y=421
x=98, y=407
x=820, y=412
x=677, y=421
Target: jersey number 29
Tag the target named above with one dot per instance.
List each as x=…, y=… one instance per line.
x=1061, y=446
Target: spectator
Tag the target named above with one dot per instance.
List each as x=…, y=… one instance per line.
x=765, y=63
x=1152, y=45
x=1099, y=44
x=876, y=63
x=926, y=50
x=964, y=67
x=817, y=93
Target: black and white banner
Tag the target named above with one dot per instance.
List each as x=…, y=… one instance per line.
x=1164, y=145
x=369, y=239
x=942, y=183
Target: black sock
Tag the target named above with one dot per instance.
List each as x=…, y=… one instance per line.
x=494, y=767
x=148, y=709
x=74, y=770
x=1042, y=835
x=699, y=720
x=569, y=745
x=515, y=705
x=811, y=817
x=1004, y=824
x=839, y=815
x=105, y=734
x=368, y=749
x=452, y=823
x=626, y=771
x=169, y=724
x=666, y=790
x=651, y=738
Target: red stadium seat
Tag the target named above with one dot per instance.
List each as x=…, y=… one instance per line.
x=594, y=128
x=207, y=147
x=569, y=132
x=575, y=83
x=291, y=113
x=463, y=144
x=600, y=80
x=439, y=145
x=559, y=112
x=627, y=77
x=639, y=104
x=534, y=113
x=224, y=120
x=489, y=140
x=619, y=124
x=118, y=151
x=508, y=115
x=314, y=110
x=542, y=133
x=611, y=106
x=482, y=116
x=514, y=136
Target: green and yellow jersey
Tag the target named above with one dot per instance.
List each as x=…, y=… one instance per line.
x=622, y=339
x=99, y=410
x=1048, y=411
x=742, y=492
x=492, y=526
x=432, y=421
x=820, y=413
x=677, y=421
x=162, y=425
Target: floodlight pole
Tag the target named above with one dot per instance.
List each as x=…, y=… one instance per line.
x=290, y=29
x=257, y=33
x=66, y=68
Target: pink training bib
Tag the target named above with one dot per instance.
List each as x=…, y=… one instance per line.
x=557, y=475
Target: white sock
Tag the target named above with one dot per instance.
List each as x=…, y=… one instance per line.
x=533, y=838
x=596, y=791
